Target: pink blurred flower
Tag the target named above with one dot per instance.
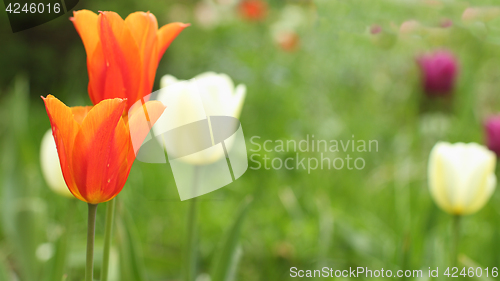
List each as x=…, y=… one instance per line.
x=439, y=71
x=375, y=29
x=253, y=10
x=445, y=23
x=492, y=132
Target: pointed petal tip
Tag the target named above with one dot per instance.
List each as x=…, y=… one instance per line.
x=49, y=96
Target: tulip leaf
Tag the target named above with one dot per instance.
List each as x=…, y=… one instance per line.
x=4, y=271
x=131, y=264
x=229, y=253
x=59, y=261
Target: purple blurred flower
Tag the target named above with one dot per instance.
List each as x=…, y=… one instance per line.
x=439, y=71
x=492, y=131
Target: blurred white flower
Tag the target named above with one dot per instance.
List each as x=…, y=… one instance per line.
x=203, y=277
x=206, y=14
x=483, y=14
x=461, y=176
x=210, y=14
x=51, y=168
x=410, y=28
x=44, y=252
x=218, y=95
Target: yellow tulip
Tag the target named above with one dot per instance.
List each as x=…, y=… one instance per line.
x=461, y=176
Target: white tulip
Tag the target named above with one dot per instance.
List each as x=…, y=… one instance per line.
x=51, y=168
x=461, y=176
x=219, y=95
x=208, y=94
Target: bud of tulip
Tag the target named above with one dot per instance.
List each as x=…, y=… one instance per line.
x=461, y=176
x=51, y=168
x=492, y=131
x=439, y=71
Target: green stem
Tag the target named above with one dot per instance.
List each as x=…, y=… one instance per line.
x=89, y=267
x=192, y=232
x=108, y=230
x=455, y=240
x=192, y=239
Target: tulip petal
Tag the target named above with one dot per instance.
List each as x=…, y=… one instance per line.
x=481, y=198
x=85, y=23
x=238, y=100
x=97, y=150
x=97, y=67
x=167, y=34
x=143, y=27
x=119, y=150
x=167, y=80
x=79, y=112
x=65, y=130
x=117, y=67
x=437, y=180
x=141, y=120
x=484, y=179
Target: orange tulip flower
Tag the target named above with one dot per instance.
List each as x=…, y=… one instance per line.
x=94, y=144
x=122, y=55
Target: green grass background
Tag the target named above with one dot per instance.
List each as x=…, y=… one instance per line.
x=337, y=84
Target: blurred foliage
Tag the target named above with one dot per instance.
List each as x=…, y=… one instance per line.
x=337, y=84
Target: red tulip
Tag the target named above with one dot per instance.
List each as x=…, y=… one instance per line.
x=122, y=55
x=439, y=71
x=94, y=144
x=254, y=10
